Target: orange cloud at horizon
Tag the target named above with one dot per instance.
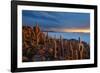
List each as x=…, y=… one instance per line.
x=77, y=30
x=73, y=30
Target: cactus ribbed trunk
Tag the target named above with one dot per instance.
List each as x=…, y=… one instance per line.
x=55, y=49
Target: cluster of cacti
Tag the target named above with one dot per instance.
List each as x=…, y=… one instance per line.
x=38, y=46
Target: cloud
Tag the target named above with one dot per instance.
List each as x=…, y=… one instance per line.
x=50, y=20
x=73, y=30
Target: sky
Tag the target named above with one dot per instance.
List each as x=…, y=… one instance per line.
x=59, y=22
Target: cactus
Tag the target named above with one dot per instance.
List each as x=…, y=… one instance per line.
x=55, y=48
x=71, y=50
x=81, y=49
x=62, y=48
x=76, y=54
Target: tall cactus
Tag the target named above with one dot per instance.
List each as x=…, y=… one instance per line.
x=55, y=48
x=81, y=48
x=71, y=48
x=37, y=33
x=76, y=54
x=62, y=48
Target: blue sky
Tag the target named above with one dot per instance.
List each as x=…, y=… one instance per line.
x=56, y=20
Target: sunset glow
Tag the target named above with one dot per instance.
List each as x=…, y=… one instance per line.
x=73, y=30
x=78, y=30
